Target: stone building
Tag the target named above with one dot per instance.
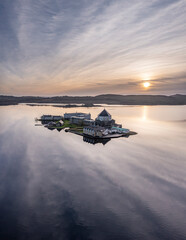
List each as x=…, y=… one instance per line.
x=50, y=118
x=77, y=120
x=82, y=121
x=88, y=122
x=68, y=116
x=104, y=119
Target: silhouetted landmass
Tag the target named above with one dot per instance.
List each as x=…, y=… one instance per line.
x=112, y=99
x=64, y=106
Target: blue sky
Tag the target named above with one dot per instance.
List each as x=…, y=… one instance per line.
x=84, y=47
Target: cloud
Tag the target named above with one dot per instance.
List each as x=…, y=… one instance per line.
x=71, y=47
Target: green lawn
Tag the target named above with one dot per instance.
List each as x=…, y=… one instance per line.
x=67, y=124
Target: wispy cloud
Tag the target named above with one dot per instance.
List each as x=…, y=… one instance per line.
x=82, y=47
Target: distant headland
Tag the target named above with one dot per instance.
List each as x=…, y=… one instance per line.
x=90, y=101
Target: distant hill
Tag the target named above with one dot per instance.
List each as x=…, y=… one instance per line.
x=113, y=99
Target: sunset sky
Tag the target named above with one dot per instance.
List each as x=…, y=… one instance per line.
x=91, y=47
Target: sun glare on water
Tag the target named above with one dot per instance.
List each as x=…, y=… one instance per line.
x=146, y=84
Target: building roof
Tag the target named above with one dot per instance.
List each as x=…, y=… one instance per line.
x=77, y=114
x=75, y=117
x=104, y=113
x=89, y=120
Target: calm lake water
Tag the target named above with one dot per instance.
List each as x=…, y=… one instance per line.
x=53, y=185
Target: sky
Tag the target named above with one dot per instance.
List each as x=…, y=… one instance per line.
x=85, y=47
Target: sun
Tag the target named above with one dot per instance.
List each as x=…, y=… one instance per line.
x=146, y=84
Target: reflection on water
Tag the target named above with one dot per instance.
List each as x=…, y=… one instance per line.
x=94, y=141
x=54, y=186
x=144, y=118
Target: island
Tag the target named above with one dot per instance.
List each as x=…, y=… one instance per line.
x=101, y=129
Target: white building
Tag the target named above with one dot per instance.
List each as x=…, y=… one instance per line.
x=93, y=131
